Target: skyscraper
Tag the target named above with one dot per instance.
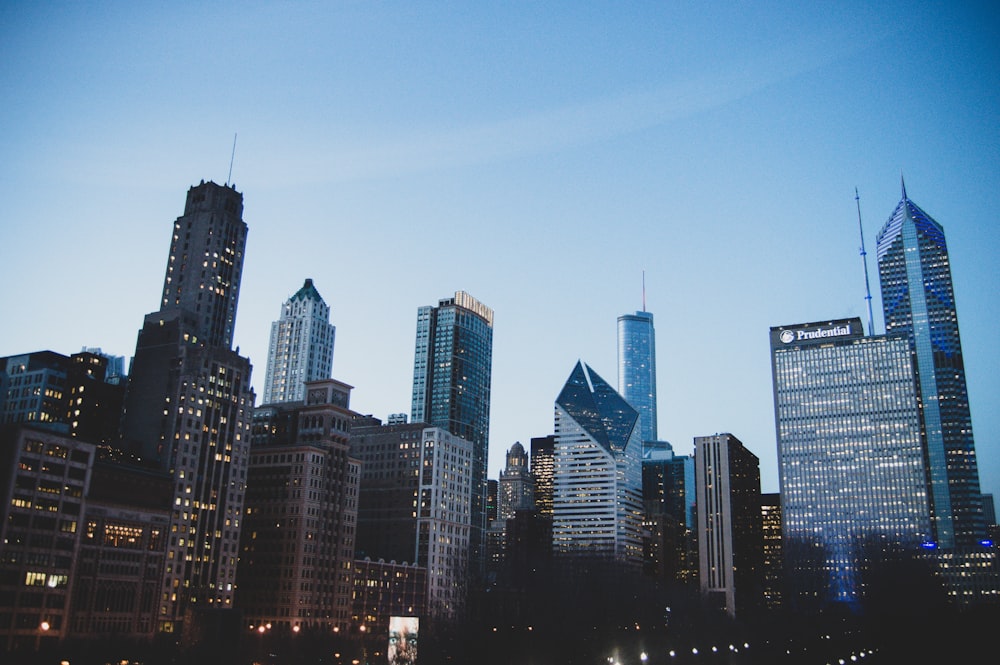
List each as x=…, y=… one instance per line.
x=296, y=572
x=597, y=479
x=850, y=454
x=542, y=469
x=515, y=491
x=637, y=368
x=300, y=348
x=730, y=539
x=918, y=301
x=414, y=504
x=668, y=493
x=452, y=370
x=205, y=263
x=188, y=402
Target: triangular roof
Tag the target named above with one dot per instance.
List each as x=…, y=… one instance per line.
x=598, y=408
x=307, y=292
x=907, y=209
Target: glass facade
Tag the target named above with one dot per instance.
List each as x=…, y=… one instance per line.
x=637, y=368
x=918, y=301
x=452, y=369
x=850, y=453
x=597, y=475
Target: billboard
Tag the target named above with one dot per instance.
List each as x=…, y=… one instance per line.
x=403, y=632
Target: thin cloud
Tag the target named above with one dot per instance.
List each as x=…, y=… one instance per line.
x=557, y=129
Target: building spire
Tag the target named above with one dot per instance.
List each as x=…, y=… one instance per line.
x=903, y=184
x=644, y=290
x=864, y=260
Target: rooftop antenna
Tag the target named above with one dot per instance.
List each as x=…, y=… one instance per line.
x=231, y=157
x=864, y=259
x=643, y=290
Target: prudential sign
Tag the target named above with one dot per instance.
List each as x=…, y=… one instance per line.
x=789, y=336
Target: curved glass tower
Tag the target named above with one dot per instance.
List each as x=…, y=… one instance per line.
x=637, y=368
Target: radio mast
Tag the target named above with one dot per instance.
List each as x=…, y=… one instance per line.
x=644, y=290
x=231, y=158
x=864, y=260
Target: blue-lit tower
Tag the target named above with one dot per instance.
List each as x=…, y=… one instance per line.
x=850, y=455
x=918, y=301
x=637, y=368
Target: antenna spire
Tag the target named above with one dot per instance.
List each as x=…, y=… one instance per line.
x=643, y=290
x=864, y=260
x=902, y=184
x=231, y=158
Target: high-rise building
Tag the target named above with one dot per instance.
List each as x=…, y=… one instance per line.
x=668, y=492
x=189, y=402
x=770, y=513
x=44, y=478
x=597, y=476
x=850, y=454
x=637, y=368
x=730, y=540
x=542, y=468
x=69, y=394
x=300, y=348
x=918, y=301
x=452, y=369
x=205, y=262
x=516, y=489
x=297, y=548
x=116, y=372
x=414, y=504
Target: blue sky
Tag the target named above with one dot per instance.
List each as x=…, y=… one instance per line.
x=540, y=156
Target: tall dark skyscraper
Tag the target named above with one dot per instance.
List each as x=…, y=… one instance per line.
x=730, y=539
x=452, y=371
x=637, y=368
x=189, y=403
x=918, y=301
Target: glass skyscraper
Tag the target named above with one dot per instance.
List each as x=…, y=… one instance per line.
x=637, y=368
x=597, y=478
x=300, y=348
x=452, y=370
x=850, y=454
x=919, y=302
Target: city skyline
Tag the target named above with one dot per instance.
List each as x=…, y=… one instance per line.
x=560, y=151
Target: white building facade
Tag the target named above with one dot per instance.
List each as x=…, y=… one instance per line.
x=300, y=348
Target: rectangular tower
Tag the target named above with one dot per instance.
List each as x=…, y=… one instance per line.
x=730, y=540
x=205, y=263
x=297, y=549
x=452, y=370
x=850, y=453
x=918, y=301
x=414, y=505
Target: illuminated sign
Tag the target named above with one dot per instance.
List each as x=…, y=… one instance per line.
x=789, y=336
